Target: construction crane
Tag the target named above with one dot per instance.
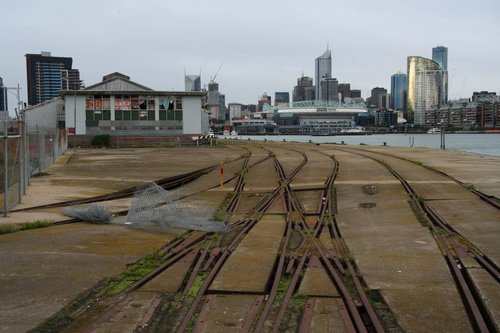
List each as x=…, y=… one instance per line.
x=212, y=79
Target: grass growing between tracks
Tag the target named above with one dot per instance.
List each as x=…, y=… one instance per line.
x=132, y=274
x=6, y=229
x=35, y=225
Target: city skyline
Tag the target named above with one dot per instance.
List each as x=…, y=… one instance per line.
x=241, y=36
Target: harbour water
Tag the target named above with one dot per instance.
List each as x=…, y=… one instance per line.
x=484, y=144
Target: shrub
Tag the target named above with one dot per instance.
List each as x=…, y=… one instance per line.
x=101, y=140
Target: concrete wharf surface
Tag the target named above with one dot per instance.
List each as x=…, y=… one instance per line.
x=480, y=223
x=249, y=267
x=393, y=251
x=42, y=270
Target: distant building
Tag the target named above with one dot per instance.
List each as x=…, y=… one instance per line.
x=47, y=76
x=234, y=111
x=425, y=82
x=299, y=91
x=329, y=90
x=386, y=118
x=323, y=70
x=398, y=86
x=281, y=98
x=379, y=98
x=440, y=55
x=4, y=104
x=344, y=90
x=355, y=93
x=192, y=82
x=216, y=103
x=264, y=99
x=485, y=96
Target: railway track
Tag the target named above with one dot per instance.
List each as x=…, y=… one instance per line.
x=454, y=246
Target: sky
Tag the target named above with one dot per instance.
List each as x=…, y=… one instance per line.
x=263, y=46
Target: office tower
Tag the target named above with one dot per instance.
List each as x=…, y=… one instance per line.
x=379, y=97
x=4, y=106
x=440, y=55
x=192, y=82
x=344, y=90
x=281, y=97
x=47, y=76
x=398, y=86
x=425, y=82
x=323, y=70
x=299, y=91
x=329, y=90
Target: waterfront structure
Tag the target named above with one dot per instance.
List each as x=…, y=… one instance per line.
x=386, y=118
x=319, y=117
x=118, y=106
x=281, y=97
x=425, y=82
x=323, y=70
x=304, y=89
x=440, y=55
x=4, y=104
x=398, y=88
x=48, y=75
x=192, y=82
x=329, y=89
x=379, y=98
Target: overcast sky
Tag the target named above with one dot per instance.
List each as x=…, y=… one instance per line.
x=264, y=45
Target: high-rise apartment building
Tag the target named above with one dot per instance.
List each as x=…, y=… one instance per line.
x=47, y=76
x=323, y=70
x=398, y=87
x=329, y=90
x=4, y=106
x=192, y=82
x=304, y=89
x=440, y=55
x=425, y=82
x=264, y=99
x=355, y=93
x=216, y=102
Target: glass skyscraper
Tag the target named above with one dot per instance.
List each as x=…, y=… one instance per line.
x=192, y=82
x=440, y=55
x=398, y=86
x=323, y=71
x=45, y=75
x=425, y=82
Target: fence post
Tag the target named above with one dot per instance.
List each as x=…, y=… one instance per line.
x=5, y=170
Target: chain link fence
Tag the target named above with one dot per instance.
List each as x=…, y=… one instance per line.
x=24, y=154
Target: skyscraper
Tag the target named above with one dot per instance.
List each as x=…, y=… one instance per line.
x=3, y=97
x=398, y=86
x=425, y=77
x=329, y=90
x=303, y=89
x=440, y=55
x=344, y=90
x=379, y=97
x=192, y=82
x=45, y=76
x=323, y=70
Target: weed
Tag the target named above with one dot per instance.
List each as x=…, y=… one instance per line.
x=35, y=224
x=6, y=229
x=132, y=274
x=420, y=199
x=197, y=283
x=471, y=187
